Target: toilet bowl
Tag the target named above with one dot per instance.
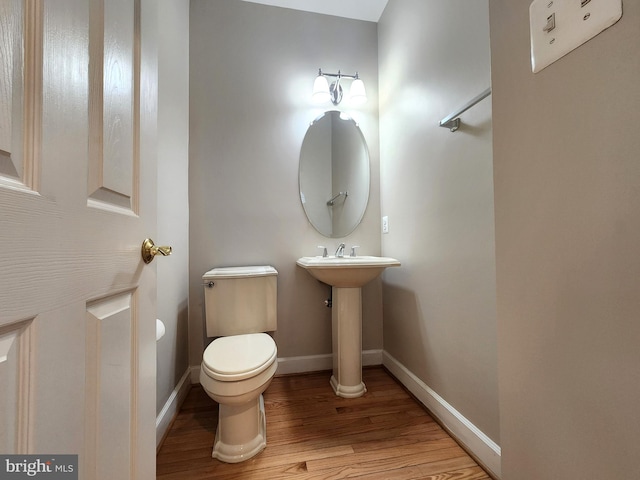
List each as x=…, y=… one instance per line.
x=235, y=371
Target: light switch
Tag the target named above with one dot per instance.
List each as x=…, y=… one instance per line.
x=551, y=23
x=560, y=26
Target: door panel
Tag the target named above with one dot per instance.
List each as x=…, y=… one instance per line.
x=113, y=67
x=110, y=354
x=78, y=85
x=15, y=350
x=20, y=91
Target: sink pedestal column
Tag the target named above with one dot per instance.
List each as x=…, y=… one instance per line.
x=346, y=325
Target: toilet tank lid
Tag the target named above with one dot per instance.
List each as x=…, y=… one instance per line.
x=239, y=272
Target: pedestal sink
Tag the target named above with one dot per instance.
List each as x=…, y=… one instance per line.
x=347, y=275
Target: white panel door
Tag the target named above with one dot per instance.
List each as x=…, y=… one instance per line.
x=78, y=87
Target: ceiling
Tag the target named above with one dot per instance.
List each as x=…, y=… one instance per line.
x=369, y=10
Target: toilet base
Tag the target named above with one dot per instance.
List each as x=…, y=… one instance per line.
x=241, y=432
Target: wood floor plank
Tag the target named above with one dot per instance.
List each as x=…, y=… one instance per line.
x=450, y=467
x=314, y=435
x=471, y=473
x=407, y=455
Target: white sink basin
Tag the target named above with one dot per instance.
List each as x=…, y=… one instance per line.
x=346, y=271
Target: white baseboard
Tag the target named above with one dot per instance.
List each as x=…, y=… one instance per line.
x=485, y=449
x=171, y=406
x=316, y=363
x=310, y=363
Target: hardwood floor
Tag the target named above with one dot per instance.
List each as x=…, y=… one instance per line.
x=312, y=434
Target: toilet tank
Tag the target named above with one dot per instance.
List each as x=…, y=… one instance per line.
x=240, y=300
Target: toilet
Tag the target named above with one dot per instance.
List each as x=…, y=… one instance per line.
x=238, y=366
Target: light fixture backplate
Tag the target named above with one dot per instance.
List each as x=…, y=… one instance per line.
x=335, y=89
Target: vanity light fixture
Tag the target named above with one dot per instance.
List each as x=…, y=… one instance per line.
x=323, y=92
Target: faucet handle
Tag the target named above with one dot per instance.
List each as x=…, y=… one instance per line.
x=324, y=251
x=353, y=250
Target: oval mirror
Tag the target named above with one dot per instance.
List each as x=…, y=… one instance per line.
x=334, y=174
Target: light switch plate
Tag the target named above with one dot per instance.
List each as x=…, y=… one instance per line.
x=560, y=26
x=385, y=224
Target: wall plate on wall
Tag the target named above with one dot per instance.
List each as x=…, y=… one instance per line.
x=559, y=26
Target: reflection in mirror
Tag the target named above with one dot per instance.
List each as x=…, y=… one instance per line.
x=334, y=174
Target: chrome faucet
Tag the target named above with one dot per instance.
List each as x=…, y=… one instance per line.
x=340, y=250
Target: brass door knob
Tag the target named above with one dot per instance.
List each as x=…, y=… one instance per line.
x=150, y=250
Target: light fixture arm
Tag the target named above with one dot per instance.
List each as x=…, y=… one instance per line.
x=338, y=75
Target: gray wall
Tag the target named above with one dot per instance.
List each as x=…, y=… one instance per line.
x=567, y=177
x=251, y=77
x=173, y=207
x=437, y=189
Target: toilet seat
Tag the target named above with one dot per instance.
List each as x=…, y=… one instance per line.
x=238, y=357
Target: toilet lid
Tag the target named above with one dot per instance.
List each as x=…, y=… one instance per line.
x=239, y=356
